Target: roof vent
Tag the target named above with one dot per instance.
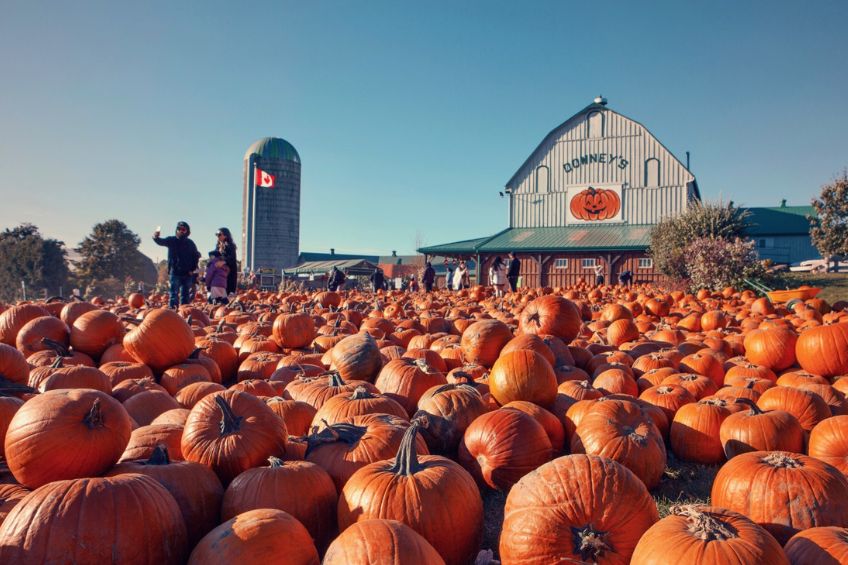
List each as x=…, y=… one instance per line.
x=600, y=100
x=783, y=203
x=332, y=251
x=394, y=253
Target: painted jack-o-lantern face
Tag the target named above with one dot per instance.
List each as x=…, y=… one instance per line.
x=595, y=204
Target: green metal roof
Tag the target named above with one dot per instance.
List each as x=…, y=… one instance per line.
x=571, y=238
x=273, y=148
x=306, y=256
x=464, y=247
x=780, y=220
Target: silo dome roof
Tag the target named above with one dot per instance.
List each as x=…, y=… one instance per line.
x=273, y=148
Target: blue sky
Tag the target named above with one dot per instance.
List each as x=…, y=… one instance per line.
x=409, y=117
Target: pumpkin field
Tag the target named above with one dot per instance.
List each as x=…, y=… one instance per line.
x=557, y=425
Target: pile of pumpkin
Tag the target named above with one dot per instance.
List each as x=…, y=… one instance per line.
x=360, y=428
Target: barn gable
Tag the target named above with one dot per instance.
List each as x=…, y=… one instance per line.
x=599, y=149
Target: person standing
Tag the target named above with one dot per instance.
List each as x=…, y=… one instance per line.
x=216, y=278
x=599, y=274
x=448, y=274
x=377, y=279
x=514, y=271
x=460, y=276
x=337, y=279
x=497, y=276
x=227, y=247
x=182, y=263
x=429, y=277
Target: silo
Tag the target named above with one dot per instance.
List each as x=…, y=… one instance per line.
x=271, y=215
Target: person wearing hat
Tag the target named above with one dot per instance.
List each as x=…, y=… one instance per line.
x=183, y=257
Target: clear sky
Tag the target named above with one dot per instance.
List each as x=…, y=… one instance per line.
x=409, y=116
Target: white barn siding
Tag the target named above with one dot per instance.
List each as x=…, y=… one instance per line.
x=671, y=185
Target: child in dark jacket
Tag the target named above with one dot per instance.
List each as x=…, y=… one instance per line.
x=216, y=278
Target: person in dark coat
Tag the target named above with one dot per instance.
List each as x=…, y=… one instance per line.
x=182, y=263
x=429, y=277
x=378, y=280
x=227, y=248
x=513, y=272
x=336, y=280
x=626, y=278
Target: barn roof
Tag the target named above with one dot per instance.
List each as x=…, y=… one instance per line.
x=351, y=266
x=780, y=220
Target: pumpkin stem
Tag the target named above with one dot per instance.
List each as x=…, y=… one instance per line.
x=59, y=348
x=347, y=433
x=230, y=423
x=406, y=462
x=589, y=543
x=361, y=393
x=783, y=460
x=275, y=462
x=423, y=365
x=10, y=387
x=443, y=388
x=159, y=456
x=94, y=418
x=57, y=363
x=750, y=404
x=336, y=379
x=703, y=525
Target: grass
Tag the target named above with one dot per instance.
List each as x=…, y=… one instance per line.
x=834, y=285
x=682, y=483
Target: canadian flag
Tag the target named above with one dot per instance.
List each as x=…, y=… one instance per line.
x=263, y=179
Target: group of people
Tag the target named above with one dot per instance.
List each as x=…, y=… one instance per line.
x=221, y=276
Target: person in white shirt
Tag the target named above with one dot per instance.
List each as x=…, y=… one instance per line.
x=497, y=276
x=460, y=277
x=599, y=274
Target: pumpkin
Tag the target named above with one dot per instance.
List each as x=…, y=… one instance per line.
x=124, y=519
x=483, y=340
x=706, y=534
x=35, y=335
x=296, y=415
x=65, y=434
x=118, y=371
x=823, y=350
x=73, y=310
x=357, y=357
x=293, y=330
x=808, y=407
x=623, y=432
x=93, y=332
x=258, y=365
x=15, y=318
x=195, y=488
x=387, y=542
x=772, y=348
x=553, y=427
x=616, y=380
x=264, y=535
x=426, y=493
x=695, y=431
x=342, y=449
x=783, y=492
x=191, y=394
x=704, y=363
x=342, y=407
x=176, y=416
x=502, y=446
x=161, y=340
x=231, y=432
x=318, y=390
x=829, y=442
x=176, y=377
x=9, y=405
x=550, y=315
x=445, y=412
x=523, y=375
x=594, y=204
x=145, y=439
x=814, y=546
x=13, y=366
x=758, y=430
x=10, y=496
x=130, y=387
x=302, y=489
x=147, y=405
x=698, y=386
x=406, y=380
x=562, y=512
x=534, y=343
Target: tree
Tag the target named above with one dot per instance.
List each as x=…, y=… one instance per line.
x=671, y=237
x=111, y=252
x=829, y=233
x=25, y=255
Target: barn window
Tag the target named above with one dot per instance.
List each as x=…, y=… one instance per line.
x=767, y=242
x=543, y=178
x=595, y=124
x=646, y=263
x=561, y=264
x=652, y=172
x=588, y=263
